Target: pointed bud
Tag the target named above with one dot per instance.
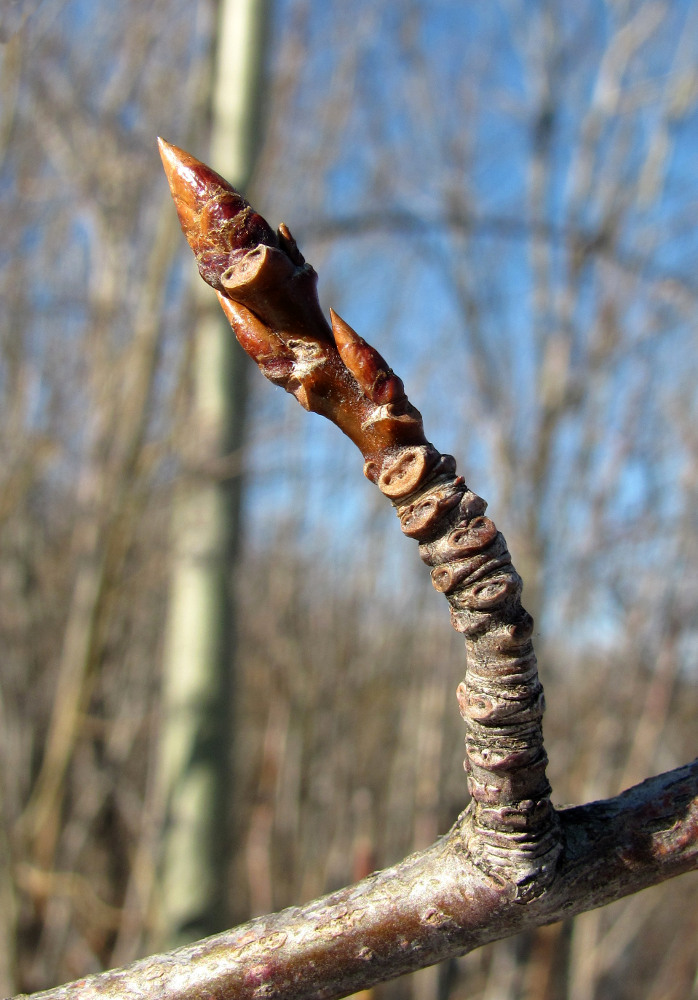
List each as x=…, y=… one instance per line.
x=275, y=360
x=218, y=223
x=289, y=245
x=371, y=371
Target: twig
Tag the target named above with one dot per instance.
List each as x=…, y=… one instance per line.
x=511, y=861
x=268, y=292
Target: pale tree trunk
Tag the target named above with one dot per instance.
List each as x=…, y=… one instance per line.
x=200, y=644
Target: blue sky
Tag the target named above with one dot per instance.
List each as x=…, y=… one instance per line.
x=402, y=156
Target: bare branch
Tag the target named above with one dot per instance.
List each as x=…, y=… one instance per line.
x=511, y=861
x=268, y=293
x=430, y=907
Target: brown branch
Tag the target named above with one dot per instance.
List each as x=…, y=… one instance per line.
x=511, y=861
x=269, y=294
x=431, y=906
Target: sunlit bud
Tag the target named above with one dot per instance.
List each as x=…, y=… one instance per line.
x=274, y=358
x=370, y=370
x=217, y=221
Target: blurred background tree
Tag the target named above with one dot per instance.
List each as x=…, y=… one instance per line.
x=200, y=664
x=502, y=198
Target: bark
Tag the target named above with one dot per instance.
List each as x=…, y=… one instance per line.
x=512, y=861
x=430, y=907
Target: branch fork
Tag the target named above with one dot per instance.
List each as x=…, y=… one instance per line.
x=511, y=862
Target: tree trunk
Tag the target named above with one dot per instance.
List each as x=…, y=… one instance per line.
x=200, y=644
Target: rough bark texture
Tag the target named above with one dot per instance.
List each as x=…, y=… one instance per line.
x=431, y=906
x=511, y=861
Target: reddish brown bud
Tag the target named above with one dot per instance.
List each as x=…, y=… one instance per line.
x=274, y=358
x=376, y=379
x=238, y=252
x=220, y=226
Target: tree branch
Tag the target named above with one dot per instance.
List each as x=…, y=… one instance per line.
x=430, y=907
x=511, y=861
x=268, y=292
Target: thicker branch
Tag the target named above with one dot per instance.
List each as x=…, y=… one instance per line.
x=430, y=907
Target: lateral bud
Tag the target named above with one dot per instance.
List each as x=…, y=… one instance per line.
x=275, y=360
x=376, y=379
